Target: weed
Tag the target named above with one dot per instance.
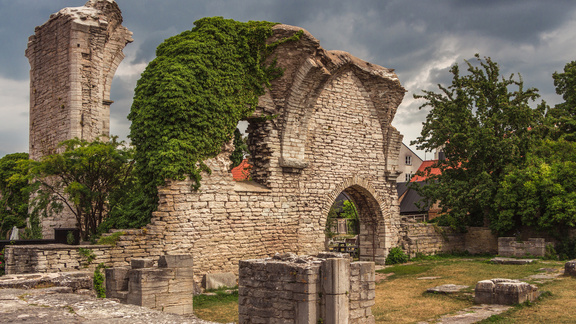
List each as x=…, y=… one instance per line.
x=111, y=239
x=396, y=256
x=99, y=281
x=88, y=254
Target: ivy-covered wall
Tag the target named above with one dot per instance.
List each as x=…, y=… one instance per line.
x=322, y=127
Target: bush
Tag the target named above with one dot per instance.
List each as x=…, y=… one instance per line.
x=566, y=249
x=396, y=256
x=2, y=264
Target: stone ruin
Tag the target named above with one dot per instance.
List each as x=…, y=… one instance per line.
x=167, y=287
x=300, y=289
x=331, y=133
x=73, y=58
x=504, y=292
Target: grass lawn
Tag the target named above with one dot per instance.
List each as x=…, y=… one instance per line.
x=401, y=297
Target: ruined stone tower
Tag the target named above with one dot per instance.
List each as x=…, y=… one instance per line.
x=73, y=58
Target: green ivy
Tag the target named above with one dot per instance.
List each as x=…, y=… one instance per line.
x=192, y=95
x=98, y=281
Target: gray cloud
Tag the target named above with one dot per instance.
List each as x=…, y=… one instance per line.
x=419, y=39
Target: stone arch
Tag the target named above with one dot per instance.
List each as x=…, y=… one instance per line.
x=381, y=85
x=371, y=210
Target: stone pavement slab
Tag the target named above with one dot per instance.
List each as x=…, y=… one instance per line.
x=49, y=305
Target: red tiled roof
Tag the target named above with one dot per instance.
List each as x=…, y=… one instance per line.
x=422, y=168
x=242, y=172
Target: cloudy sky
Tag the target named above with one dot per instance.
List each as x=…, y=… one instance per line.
x=419, y=39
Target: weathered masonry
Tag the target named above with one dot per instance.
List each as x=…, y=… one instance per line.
x=303, y=289
x=73, y=58
x=330, y=133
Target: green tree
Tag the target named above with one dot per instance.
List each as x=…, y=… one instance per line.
x=542, y=193
x=82, y=180
x=13, y=194
x=484, y=123
x=240, y=149
x=351, y=214
x=563, y=116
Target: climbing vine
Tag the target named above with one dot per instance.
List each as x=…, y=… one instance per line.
x=192, y=95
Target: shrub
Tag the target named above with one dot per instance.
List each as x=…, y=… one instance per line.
x=396, y=256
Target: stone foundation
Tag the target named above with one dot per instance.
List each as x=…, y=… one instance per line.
x=504, y=292
x=168, y=287
x=302, y=289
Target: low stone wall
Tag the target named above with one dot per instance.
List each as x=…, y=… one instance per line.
x=481, y=240
x=53, y=258
x=431, y=239
x=508, y=246
x=62, y=257
x=303, y=289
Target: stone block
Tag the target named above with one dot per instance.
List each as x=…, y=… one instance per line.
x=141, y=263
x=570, y=268
x=337, y=308
x=504, y=292
x=218, y=280
x=116, y=281
x=484, y=292
x=336, y=276
x=175, y=261
x=510, y=293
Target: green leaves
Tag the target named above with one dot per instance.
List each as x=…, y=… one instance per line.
x=541, y=193
x=13, y=195
x=192, y=95
x=484, y=124
x=82, y=178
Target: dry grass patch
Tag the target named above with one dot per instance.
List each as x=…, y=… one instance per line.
x=222, y=308
x=402, y=298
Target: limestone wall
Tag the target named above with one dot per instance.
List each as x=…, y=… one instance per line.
x=292, y=289
x=509, y=246
x=331, y=133
x=53, y=258
x=430, y=239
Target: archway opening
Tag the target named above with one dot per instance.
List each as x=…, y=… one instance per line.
x=354, y=225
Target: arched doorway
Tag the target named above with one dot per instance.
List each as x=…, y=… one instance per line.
x=368, y=230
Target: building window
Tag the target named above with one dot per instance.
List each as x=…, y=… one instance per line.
x=408, y=160
x=407, y=177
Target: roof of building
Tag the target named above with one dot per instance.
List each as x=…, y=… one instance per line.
x=422, y=168
x=411, y=197
x=242, y=171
